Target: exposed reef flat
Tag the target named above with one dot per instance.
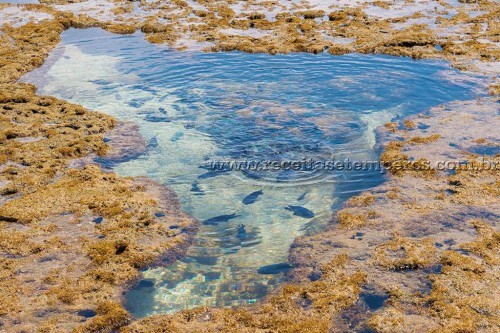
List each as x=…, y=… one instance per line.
x=415, y=234
x=73, y=236
x=424, y=242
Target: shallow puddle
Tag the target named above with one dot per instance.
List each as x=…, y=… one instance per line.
x=200, y=110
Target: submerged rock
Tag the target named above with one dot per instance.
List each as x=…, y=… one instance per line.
x=373, y=301
x=275, y=268
x=153, y=143
x=177, y=136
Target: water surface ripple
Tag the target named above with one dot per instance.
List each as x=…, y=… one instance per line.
x=194, y=108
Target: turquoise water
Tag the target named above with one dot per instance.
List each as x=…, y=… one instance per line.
x=195, y=109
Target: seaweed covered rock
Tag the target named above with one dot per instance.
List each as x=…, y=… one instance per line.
x=295, y=308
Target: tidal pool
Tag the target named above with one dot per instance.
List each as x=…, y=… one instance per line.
x=198, y=108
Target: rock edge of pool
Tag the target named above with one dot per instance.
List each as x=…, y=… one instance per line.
x=417, y=253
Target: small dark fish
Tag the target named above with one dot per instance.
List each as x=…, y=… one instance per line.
x=195, y=187
x=252, y=197
x=136, y=103
x=160, y=214
x=250, y=243
x=218, y=219
x=157, y=119
x=242, y=230
x=275, y=268
x=153, y=143
x=242, y=234
x=212, y=174
x=146, y=283
x=302, y=196
x=300, y=211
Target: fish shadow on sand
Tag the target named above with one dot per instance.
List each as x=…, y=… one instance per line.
x=220, y=219
x=252, y=197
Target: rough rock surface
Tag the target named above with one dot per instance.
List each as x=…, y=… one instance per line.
x=423, y=246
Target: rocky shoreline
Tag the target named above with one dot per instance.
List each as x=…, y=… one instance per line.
x=416, y=241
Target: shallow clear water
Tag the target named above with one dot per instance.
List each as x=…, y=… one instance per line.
x=195, y=108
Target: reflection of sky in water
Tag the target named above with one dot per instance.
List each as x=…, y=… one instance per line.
x=196, y=107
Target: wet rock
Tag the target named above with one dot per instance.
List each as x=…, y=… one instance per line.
x=207, y=261
x=128, y=144
x=210, y=276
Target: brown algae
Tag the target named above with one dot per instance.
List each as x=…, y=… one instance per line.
x=57, y=263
